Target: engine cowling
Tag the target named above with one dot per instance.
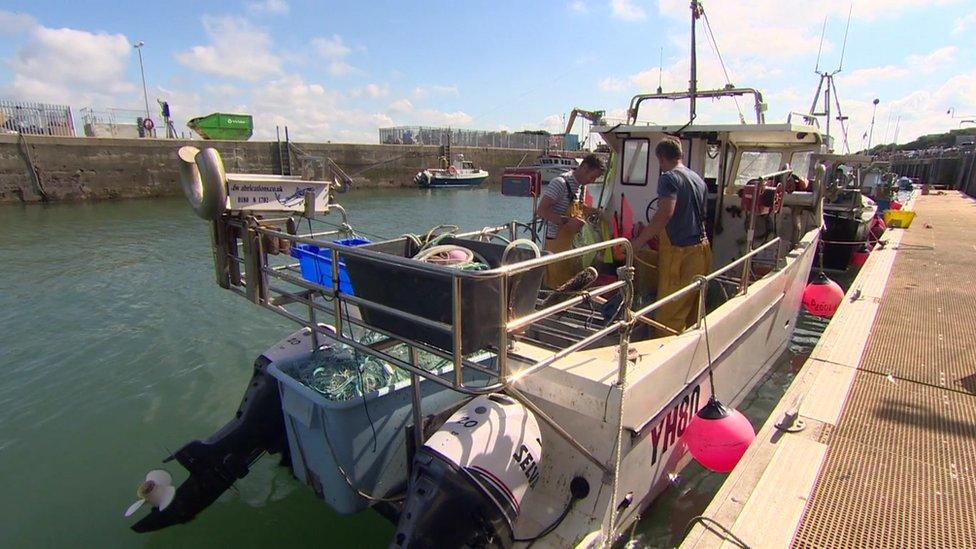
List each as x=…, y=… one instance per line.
x=470, y=477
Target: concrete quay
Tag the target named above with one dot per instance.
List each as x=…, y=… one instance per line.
x=86, y=168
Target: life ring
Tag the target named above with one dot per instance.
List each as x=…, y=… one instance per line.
x=148, y=124
x=452, y=170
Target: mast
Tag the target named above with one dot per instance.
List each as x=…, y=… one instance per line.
x=693, y=82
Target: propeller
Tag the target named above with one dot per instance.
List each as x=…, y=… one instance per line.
x=157, y=490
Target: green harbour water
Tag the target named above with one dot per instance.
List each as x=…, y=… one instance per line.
x=118, y=348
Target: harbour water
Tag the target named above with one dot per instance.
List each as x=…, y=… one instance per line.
x=118, y=347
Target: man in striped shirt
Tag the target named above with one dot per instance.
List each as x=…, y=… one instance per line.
x=562, y=211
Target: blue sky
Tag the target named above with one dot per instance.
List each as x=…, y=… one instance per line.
x=339, y=70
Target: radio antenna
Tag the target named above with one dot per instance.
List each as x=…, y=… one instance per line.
x=660, y=71
x=846, y=32
x=820, y=49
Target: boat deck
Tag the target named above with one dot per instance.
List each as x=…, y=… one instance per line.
x=888, y=398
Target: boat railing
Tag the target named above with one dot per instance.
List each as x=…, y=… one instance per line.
x=247, y=270
x=759, y=106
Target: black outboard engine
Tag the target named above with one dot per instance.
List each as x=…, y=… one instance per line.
x=471, y=476
x=217, y=462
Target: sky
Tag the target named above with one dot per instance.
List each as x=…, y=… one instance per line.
x=338, y=71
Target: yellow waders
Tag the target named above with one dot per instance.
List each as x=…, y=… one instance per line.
x=559, y=272
x=677, y=267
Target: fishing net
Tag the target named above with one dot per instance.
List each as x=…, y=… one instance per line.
x=339, y=372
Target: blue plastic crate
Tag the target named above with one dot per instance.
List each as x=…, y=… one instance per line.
x=316, y=264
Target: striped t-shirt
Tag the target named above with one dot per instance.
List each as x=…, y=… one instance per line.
x=556, y=190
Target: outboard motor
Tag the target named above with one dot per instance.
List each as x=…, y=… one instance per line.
x=470, y=477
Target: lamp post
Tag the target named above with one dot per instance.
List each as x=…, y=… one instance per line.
x=873, y=112
x=145, y=93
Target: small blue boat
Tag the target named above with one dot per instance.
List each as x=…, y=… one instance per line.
x=461, y=173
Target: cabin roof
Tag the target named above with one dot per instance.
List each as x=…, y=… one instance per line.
x=778, y=133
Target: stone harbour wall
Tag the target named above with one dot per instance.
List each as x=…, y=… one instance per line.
x=85, y=168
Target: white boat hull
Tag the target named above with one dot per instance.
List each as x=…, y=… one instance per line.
x=747, y=335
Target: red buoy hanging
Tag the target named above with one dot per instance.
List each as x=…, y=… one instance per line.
x=822, y=296
x=895, y=205
x=718, y=436
x=860, y=256
x=877, y=227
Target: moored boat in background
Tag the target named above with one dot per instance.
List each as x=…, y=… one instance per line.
x=460, y=173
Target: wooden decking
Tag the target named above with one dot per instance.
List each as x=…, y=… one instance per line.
x=887, y=457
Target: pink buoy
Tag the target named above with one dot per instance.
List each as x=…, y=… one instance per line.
x=877, y=227
x=822, y=296
x=718, y=436
x=860, y=256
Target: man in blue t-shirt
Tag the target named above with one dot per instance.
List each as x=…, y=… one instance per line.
x=679, y=224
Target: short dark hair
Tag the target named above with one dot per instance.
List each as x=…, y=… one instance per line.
x=593, y=162
x=669, y=148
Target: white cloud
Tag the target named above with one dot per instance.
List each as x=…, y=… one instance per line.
x=223, y=90
x=238, y=50
x=612, y=84
x=372, y=91
x=336, y=51
x=331, y=48
x=268, y=6
x=15, y=23
x=964, y=23
x=71, y=66
x=553, y=123
x=433, y=117
x=579, y=6
x=401, y=106
x=938, y=59
x=341, y=68
x=423, y=92
x=627, y=11
x=873, y=77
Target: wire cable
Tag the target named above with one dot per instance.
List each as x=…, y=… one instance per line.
x=728, y=80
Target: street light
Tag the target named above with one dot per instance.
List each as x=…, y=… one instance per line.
x=875, y=110
x=145, y=93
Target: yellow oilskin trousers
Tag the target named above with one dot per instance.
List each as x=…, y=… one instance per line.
x=677, y=267
x=561, y=271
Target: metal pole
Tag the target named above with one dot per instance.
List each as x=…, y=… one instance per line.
x=417, y=403
x=873, y=112
x=830, y=145
x=145, y=93
x=693, y=83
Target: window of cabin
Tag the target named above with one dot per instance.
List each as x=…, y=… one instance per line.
x=634, y=161
x=753, y=164
x=800, y=163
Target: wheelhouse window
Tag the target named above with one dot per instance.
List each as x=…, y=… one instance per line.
x=800, y=163
x=753, y=164
x=634, y=161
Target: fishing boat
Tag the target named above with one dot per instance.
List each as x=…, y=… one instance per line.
x=460, y=173
x=465, y=403
x=847, y=210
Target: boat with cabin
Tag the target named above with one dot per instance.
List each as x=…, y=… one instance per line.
x=460, y=173
x=464, y=402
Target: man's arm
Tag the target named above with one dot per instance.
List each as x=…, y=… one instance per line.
x=665, y=209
